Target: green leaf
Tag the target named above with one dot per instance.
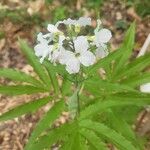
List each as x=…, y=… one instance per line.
x=93, y=139
x=18, y=76
x=24, y=108
x=73, y=143
x=135, y=66
x=102, y=63
x=136, y=80
x=34, y=62
x=73, y=104
x=53, y=136
x=112, y=101
x=45, y=122
x=126, y=48
x=103, y=85
x=129, y=114
x=20, y=90
x=109, y=133
x=66, y=86
x=120, y=125
x=52, y=75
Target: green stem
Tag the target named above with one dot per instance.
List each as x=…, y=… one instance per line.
x=78, y=98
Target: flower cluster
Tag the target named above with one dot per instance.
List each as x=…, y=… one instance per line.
x=70, y=47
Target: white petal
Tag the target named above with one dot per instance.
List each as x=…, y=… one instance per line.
x=73, y=65
x=51, y=28
x=145, y=88
x=42, y=50
x=87, y=58
x=40, y=37
x=81, y=44
x=65, y=56
x=58, y=23
x=103, y=36
x=70, y=21
x=83, y=21
x=61, y=39
x=101, y=52
x=55, y=56
x=49, y=37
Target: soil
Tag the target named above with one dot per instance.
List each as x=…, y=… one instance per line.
x=14, y=133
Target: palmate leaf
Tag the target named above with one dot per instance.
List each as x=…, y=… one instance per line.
x=34, y=62
x=137, y=80
x=129, y=114
x=93, y=139
x=51, y=69
x=110, y=134
x=53, y=136
x=66, y=86
x=20, y=89
x=134, y=67
x=112, y=101
x=73, y=143
x=102, y=63
x=126, y=49
x=73, y=104
x=24, y=108
x=17, y=75
x=103, y=85
x=45, y=122
x=120, y=125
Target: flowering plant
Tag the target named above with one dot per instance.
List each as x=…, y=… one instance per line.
x=97, y=89
x=72, y=49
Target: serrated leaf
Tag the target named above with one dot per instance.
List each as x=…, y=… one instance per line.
x=34, y=62
x=24, y=108
x=73, y=143
x=126, y=48
x=110, y=102
x=102, y=63
x=110, y=134
x=137, y=80
x=102, y=85
x=93, y=139
x=135, y=66
x=17, y=75
x=51, y=69
x=66, y=86
x=20, y=90
x=53, y=136
x=120, y=125
x=73, y=104
x=45, y=122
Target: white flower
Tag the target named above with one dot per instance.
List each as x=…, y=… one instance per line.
x=52, y=29
x=101, y=38
x=72, y=60
x=82, y=21
x=42, y=49
x=58, y=50
x=98, y=26
x=76, y=50
x=145, y=88
x=101, y=52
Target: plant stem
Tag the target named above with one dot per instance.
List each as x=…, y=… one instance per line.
x=78, y=98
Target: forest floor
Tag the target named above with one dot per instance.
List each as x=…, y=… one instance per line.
x=14, y=133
